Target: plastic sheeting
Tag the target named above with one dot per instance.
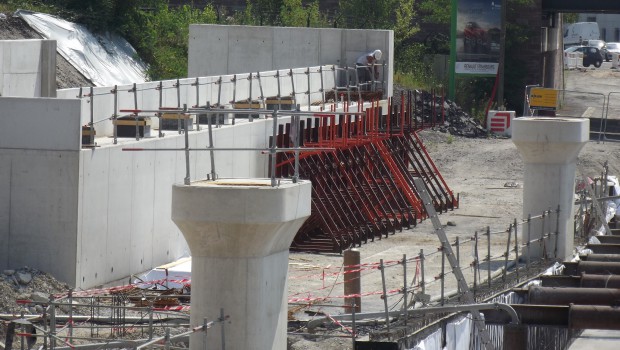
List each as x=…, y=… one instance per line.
x=431, y=342
x=104, y=60
x=173, y=275
x=458, y=334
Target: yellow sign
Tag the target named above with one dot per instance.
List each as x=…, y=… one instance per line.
x=541, y=98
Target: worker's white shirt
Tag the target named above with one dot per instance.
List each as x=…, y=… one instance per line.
x=363, y=59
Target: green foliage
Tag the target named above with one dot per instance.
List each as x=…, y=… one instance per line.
x=570, y=17
x=413, y=69
x=404, y=25
x=245, y=17
x=315, y=18
x=435, y=11
x=268, y=12
x=294, y=14
x=369, y=14
x=290, y=13
x=473, y=95
x=32, y=5
x=161, y=37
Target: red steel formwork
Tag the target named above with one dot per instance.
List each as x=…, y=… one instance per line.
x=364, y=188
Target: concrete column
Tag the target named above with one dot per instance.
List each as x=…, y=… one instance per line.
x=239, y=232
x=549, y=148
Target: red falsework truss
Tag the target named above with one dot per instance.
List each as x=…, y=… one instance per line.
x=364, y=188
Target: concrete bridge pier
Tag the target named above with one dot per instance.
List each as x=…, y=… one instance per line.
x=549, y=148
x=239, y=232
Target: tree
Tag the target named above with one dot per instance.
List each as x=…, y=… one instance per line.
x=98, y=15
x=268, y=12
x=436, y=11
x=245, y=17
x=292, y=14
x=368, y=14
x=160, y=35
x=570, y=17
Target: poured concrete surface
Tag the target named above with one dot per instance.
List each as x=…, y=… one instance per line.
x=28, y=68
x=242, y=49
x=596, y=339
x=239, y=231
x=549, y=147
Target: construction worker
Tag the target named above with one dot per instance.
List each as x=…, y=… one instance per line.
x=364, y=67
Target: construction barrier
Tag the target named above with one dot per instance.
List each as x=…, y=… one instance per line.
x=615, y=60
x=573, y=60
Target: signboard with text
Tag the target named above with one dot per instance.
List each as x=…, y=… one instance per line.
x=543, y=99
x=476, y=39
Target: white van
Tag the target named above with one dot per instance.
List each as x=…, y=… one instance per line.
x=576, y=33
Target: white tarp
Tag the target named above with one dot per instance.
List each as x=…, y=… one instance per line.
x=173, y=275
x=431, y=342
x=105, y=60
x=458, y=334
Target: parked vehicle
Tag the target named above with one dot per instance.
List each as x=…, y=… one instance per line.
x=601, y=45
x=591, y=55
x=575, y=33
x=613, y=48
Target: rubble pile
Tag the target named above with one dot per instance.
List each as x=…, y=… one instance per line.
x=26, y=284
x=456, y=121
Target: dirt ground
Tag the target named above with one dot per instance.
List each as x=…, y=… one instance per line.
x=477, y=169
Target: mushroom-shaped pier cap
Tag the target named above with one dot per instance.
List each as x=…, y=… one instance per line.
x=549, y=148
x=239, y=232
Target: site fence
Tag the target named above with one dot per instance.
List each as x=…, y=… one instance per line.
x=457, y=331
x=160, y=317
x=603, y=110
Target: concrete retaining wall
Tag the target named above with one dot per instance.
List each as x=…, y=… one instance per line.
x=39, y=167
x=97, y=215
x=176, y=93
x=91, y=216
x=28, y=68
x=219, y=49
x=124, y=223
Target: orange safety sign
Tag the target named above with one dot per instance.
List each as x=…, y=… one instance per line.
x=543, y=98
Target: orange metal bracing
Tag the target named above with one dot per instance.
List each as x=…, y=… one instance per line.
x=363, y=189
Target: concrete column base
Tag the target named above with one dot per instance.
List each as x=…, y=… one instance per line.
x=549, y=148
x=239, y=232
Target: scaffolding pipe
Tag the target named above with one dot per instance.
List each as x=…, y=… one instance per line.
x=95, y=319
x=583, y=281
x=600, y=257
x=591, y=267
x=508, y=309
x=569, y=295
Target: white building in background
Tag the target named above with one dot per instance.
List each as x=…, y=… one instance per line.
x=608, y=23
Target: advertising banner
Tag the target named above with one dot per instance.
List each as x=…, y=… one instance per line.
x=477, y=38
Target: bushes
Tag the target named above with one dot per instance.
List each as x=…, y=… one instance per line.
x=160, y=36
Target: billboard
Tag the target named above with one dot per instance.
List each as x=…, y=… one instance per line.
x=476, y=36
